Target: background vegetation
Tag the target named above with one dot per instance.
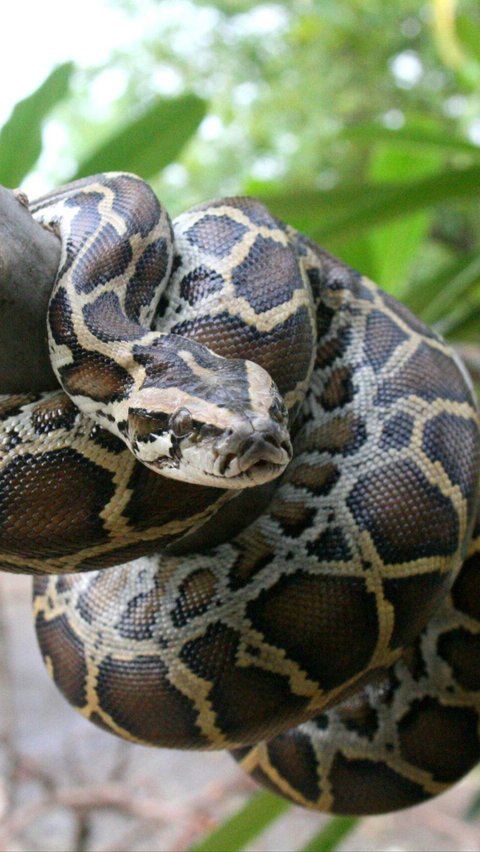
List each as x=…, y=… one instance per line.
x=357, y=122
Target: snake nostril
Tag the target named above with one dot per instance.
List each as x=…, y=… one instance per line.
x=270, y=439
x=278, y=443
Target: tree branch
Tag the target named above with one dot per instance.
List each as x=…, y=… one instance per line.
x=29, y=258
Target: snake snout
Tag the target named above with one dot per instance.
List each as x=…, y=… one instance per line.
x=262, y=449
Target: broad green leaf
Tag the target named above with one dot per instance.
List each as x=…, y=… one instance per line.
x=469, y=33
x=234, y=834
x=331, y=835
x=463, y=321
x=416, y=136
x=454, y=292
x=419, y=295
x=445, y=33
x=387, y=253
x=358, y=254
x=150, y=142
x=344, y=212
x=394, y=246
x=21, y=136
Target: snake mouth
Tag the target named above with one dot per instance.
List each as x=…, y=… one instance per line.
x=260, y=458
x=258, y=474
x=260, y=462
x=240, y=458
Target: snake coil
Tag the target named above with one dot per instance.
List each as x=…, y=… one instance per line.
x=290, y=459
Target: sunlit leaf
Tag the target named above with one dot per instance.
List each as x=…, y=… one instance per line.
x=21, y=136
x=358, y=254
x=394, y=246
x=469, y=32
x=150, y=142
x=341, y=213
x=413, y=137
x=463, y=322
x=331, y=835
x=418, y=297
x=234, y=834
x=454, y=290
x=445, y=33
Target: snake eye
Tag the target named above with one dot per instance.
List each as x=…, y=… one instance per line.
x=181, y=423
x=278, y=410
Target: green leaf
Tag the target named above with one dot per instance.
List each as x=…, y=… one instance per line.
x=419, y=295
x=454, y=291
x=473, y=810
x=234, y=834
x=344, y=212
x=21, y=136
x=331, y=835
x=394, y=264
x=394, y=246
x=358, y=254
x=462, y=324
x=463, y=321
x=148, y=144
x=416, y=136
x=469, y=33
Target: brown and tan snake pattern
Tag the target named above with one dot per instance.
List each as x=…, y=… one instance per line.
x=298, y=612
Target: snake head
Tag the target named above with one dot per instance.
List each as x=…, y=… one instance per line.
x=209, y=420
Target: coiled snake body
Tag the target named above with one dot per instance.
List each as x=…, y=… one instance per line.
x=300, y=613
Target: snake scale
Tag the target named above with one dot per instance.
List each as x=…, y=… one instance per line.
x=252, y=506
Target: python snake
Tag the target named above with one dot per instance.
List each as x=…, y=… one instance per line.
x=311, y=614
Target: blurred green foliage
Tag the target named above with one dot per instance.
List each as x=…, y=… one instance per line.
x=359, y=123
x=21, y=135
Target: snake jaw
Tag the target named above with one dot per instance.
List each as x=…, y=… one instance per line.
x=252, y=452
x=262, y=452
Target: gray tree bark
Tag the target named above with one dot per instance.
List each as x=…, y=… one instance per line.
x=29, y=258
